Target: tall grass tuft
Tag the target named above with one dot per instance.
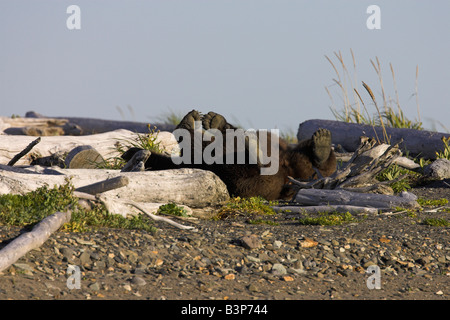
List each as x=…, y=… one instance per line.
x=388, y=114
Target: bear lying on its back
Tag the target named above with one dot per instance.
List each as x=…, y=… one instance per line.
x=246, y=179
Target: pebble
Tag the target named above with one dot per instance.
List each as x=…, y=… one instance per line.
x=85, y=258
x=138, y=281
x=24, y=268
x=277, y=244
x=278, y=269
x=94, y=286
x=251, y=242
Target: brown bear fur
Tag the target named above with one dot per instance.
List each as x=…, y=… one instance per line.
x=245, y=180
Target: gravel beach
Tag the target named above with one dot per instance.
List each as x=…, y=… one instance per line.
x=234, y=260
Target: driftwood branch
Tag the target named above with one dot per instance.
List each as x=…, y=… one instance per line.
x=325, y=209
x=105, y=185
x=24, y=151
x=33, y=239
x=159, y=218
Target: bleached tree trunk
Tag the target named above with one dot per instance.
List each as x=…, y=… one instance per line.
x=33, y=239
x=191, y=187
x=314, y=197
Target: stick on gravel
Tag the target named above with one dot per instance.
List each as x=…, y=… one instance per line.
x=158, y=218
x=33, y=239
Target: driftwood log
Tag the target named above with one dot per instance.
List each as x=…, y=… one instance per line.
x=103, y=143
x=33, y=239
x=35, y=124
x=191, y=187
x=420, y=143
x=341, y=208
x=315, y=197
x=353, y=184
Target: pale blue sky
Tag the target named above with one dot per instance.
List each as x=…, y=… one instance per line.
x=261, y=62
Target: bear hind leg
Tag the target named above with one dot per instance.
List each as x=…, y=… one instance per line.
x=321, y=146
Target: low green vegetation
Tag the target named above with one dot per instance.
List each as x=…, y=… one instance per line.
x=172, y=209
x=328, y=219
x=170, y=117
x=263, y=221
x=395, y=172
x=29, y=209
x=432, y=203
x=148, y=141
x=436, y=222
x=246, y=206
x=445, y=153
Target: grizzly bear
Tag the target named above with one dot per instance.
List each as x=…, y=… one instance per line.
x=245, y=179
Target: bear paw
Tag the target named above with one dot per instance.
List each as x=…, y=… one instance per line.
x=214, y=120
x=188, y=122
x=321, y=146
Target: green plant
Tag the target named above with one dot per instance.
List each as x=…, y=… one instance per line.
x=29, y=209
x=170, y=117
x=328, y=219
x=430, y=202
x=436, y=222
x=396, y=172
x=444, y=154
x=251, y=206
x=148, y=141
x=263, y=221
x=172, y=209
x=289, y=136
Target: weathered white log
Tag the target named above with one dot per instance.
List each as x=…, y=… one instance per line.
x=83, y=157
x=104, y=143
x=439, y=169
x=37, y=124
x=316, y=197
x=325, y=209
x=417, y=142
x=33, y=239
x=37, y=127
x=192, y=187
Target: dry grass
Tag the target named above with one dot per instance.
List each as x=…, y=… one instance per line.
x=354, y=109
